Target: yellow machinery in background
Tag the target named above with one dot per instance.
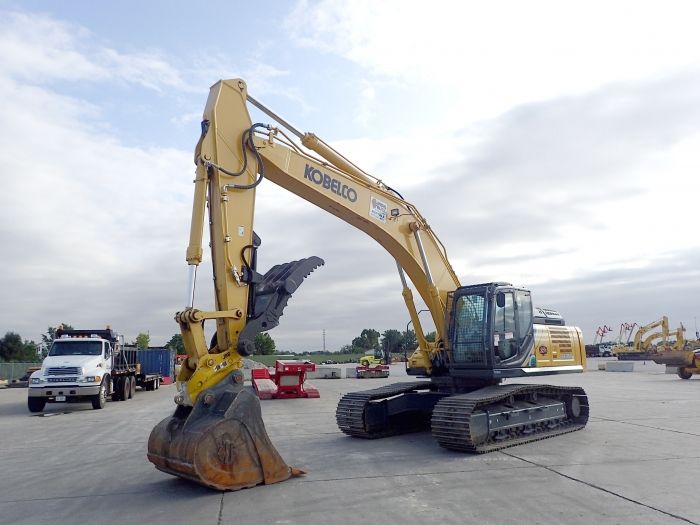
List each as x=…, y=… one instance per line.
x=647, y=343
x=485, y=333
x=682, y=354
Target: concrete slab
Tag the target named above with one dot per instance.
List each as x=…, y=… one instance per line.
x=636, y=462
x=325, y=372
x=619, y=366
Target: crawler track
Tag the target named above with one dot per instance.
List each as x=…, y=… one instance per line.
x=351, y=411
x=487, y=419
x=453, y=427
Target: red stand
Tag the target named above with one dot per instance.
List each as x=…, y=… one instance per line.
x=287, y=381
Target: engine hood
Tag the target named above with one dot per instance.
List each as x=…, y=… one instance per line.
x=84, y=361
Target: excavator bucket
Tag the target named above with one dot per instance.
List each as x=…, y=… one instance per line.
x=221, y=442
x=674, y=358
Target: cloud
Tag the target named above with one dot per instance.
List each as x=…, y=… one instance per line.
x=50, y=54
x=95, y=228
x=555, y=195
x=58, y=50
x=566, y=169
x=487, y=57
x=588, y=176
x=663, y=285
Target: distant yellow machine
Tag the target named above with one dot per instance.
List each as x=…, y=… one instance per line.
x=683, y=354
x=379, y=358
x=687, y=361
x=647, y=343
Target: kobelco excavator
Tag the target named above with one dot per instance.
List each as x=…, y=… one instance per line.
x=485, y=333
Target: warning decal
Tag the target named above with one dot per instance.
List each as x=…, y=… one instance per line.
x=377, y=209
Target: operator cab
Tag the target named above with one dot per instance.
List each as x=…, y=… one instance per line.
x=490, y=330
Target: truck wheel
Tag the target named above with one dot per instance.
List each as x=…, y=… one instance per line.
x=684, y=374
x=36, y=404
x=125, y=389
x=132, y=386
x=117, y=388
x=100, y=400
x=156, y=383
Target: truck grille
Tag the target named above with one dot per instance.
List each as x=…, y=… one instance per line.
x=63, y=371
x=62, y=380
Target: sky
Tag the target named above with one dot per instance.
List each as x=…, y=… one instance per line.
x=553, y=145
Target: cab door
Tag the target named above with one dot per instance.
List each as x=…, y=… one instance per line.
x=108, y=358
x=512, y=329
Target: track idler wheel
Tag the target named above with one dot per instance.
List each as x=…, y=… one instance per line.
x=221, y=442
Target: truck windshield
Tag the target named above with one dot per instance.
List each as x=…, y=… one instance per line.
x=76, y=348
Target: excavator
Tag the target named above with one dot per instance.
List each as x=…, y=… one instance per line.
x=682, y=353
x=642, y=347
x=485, y=333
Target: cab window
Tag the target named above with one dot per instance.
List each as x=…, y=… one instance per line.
x=523, y=309
x=505, y=337
x=470, y=329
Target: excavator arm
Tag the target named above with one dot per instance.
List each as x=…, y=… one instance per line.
x=216, y=435
x=642, y=343
x=232, y=157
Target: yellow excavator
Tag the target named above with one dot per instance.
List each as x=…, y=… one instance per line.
x=485, y=333
x=644, y=345
x=683, y=354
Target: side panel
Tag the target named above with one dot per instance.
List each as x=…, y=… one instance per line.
x=124, y=360
x=558, y=346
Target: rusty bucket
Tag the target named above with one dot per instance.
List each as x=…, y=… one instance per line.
x=221, y=442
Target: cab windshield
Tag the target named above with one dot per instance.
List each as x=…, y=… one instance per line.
x=470, y=329
x=76, y=348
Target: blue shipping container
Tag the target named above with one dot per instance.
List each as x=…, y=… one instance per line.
x=157, y=361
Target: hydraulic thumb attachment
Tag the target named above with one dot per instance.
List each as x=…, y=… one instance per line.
x=269, y=297
x=220, y=442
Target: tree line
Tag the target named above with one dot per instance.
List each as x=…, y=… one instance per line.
x=15, y=349
x=264, y=344
x=369, y=339
x=390, y=340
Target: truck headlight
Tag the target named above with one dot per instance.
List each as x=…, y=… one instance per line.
x=90, y=379
x=36, y=380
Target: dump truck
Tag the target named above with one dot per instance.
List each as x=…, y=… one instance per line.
x=88, y=366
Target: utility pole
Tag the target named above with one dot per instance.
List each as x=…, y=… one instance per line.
x=324, y=341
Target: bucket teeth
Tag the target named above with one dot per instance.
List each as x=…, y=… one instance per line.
x=220, y=443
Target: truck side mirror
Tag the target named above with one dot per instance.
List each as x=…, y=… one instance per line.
x=500, y=299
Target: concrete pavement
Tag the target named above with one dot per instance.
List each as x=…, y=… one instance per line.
x=637, y=461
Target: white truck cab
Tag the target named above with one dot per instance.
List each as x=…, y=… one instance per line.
x=78, y=368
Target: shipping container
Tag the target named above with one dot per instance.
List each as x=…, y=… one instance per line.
x=157, y=361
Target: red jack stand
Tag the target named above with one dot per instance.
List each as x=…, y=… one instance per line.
x=368, y=372
x=287, y=381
